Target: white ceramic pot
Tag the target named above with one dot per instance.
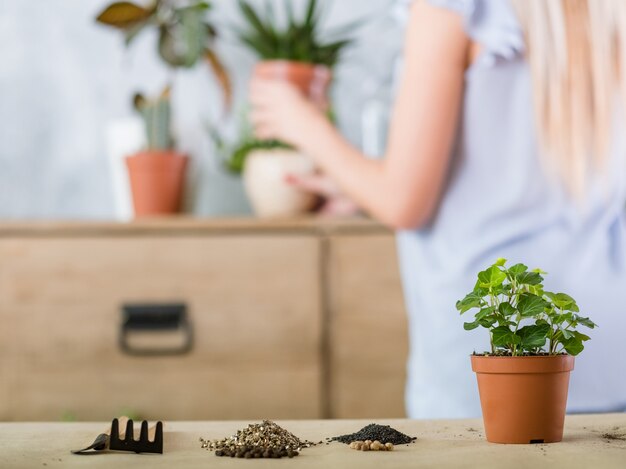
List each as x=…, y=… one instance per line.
x=264, y=179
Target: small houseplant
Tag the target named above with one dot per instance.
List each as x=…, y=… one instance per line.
x=157, y=173
x=524, y=378
x=184, y=38
x=294, y=53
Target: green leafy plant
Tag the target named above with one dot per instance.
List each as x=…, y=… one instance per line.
x=523, y=318
x=298, y=41
x=234, y=152
x=156, y=114
x=238, y=155
x=185, y=35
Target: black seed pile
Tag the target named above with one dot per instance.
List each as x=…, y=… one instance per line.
x=375, y=432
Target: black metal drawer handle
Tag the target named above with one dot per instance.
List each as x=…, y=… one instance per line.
x=145, y=318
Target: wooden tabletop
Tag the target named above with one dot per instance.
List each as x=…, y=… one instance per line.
x=184, y=225
x=591, y=441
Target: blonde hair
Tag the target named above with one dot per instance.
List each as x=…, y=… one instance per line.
x=577, y=56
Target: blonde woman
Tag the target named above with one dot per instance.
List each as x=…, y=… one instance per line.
x=507, y=140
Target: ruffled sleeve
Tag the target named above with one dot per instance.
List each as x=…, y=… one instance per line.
x=491, y=23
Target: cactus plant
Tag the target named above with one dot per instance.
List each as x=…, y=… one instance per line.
x=156, y=114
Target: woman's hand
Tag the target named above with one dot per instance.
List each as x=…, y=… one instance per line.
x=280, y=111
x=334, y=202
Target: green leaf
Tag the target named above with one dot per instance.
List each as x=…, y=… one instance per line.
x=529, y=278
x=310, y=17
x=288, y=5
x=573, y=346
x=507, y=309
x=534, y=336
x=565, y=317
x=484, y=312
x=562, y=301
x=487, y=322
x=263, y=50
x=502, y=336
x=468, y=326
x=471, y=300
x=491, y=277
x=581, y=336
x=297, y=41
x=530, y=305
x=194, y=36
x=168, y=48
x=517, y=269
x=123, y=14
x=500, y=262
x=585, y=322
x=236, y=161
x=251, y=16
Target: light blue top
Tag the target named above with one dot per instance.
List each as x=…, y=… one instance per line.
x=499, y=202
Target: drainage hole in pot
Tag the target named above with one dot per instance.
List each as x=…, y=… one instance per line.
x=535, y=442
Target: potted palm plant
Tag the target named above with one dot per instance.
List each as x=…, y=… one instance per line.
x=184, y=38
x=523, y=379
x=294, y=53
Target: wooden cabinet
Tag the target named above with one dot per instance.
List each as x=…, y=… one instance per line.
x=368, y=328
x=293, y=319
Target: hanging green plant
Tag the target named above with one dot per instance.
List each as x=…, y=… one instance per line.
x=184, y=34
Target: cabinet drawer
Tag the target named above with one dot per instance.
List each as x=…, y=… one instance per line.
x=253, y=302
x=368, y=328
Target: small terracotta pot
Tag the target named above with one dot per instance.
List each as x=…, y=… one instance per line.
x=312, y=80
x=523, y=399
x=156, y=181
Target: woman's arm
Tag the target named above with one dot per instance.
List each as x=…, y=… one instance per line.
x=403, y=189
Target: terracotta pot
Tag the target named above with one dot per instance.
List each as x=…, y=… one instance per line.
x=523, y=398
x=156, y=181
x=312, y=80
x=264, y=179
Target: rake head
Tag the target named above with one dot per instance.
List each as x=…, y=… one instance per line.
x=128, y=443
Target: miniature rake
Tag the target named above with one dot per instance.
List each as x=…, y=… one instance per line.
x=150, y=440
x=128, y=443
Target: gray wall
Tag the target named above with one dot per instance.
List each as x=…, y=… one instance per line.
x=63, y=78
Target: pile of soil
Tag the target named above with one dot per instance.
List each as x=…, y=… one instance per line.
x=375, y=432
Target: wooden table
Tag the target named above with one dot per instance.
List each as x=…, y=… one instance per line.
x=586, y=444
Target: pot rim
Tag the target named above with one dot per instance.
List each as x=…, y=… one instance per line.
x=157, y=153
x=317, y=70
x=522, y=365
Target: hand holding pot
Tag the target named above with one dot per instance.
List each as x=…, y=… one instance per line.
x=281, y=112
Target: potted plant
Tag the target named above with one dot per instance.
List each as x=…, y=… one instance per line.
x=523, y=380
x=157, y=173
x=184, y=38
x=264, y=164
x=294, y=53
